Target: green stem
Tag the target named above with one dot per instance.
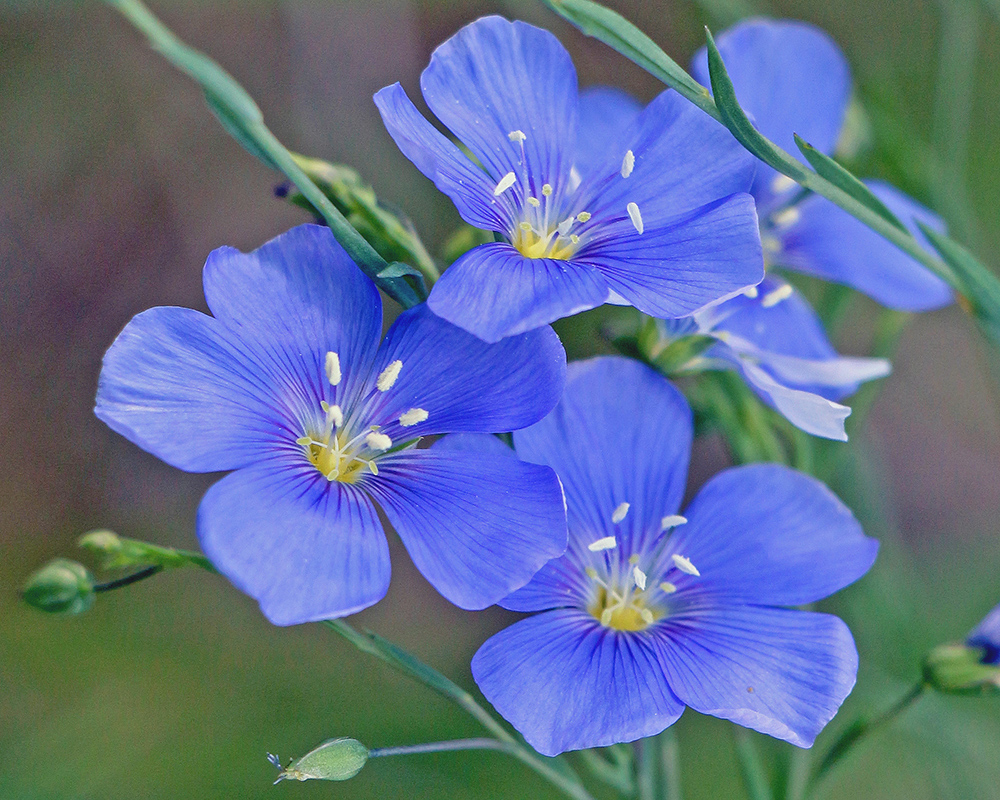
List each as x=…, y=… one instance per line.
x=754, y=776
x=670, y=765
x=862, y=730
x=128, y=580
x=647, y=769
x=441, y=747
x=556, y=771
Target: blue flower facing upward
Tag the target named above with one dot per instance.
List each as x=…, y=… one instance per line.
x=649, y=611
x=775, y=340
x=288, y=385
x=790, y=77
x=656, y=217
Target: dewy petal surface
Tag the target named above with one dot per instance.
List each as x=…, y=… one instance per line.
x=477, y=525
x=299, y=296
x=493, y=291
x=620, y=434
x=439, y=159
x=769, y=535
x=306, y=549
x=828, y=242
x=790, y=77
x=781, y=672
x=464, y=383
x=495, y=77
x=566, y=683
x=178, y=384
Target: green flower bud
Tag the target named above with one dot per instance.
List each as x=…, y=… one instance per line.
x=107, y=542
x=334, y=760
x=60, y=587
x=958, y=669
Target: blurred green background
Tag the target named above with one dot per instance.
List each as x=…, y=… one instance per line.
x=116, y=184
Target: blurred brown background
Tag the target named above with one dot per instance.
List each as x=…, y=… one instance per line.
x=117, y=182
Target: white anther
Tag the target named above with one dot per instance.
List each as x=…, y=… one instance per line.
x=335, y=415
x=751, y=292
x=635, y=216
x=534, y=202
x=583, y=216
x=640, y=577
x=646, y=615
x=373, y=468
x=607, y=543
x=505, y=183
x=547, y=189
x=378, y=441
x=672, y=521
x=775, y=296
x=516, y=136
x=388, y=376
x=787, y=217
x=304, y=440
x=412, y=417
x=620, y=512
x=333, y=368
x=685, y=565
x=668, y=587
x=628, y=163
x=563, y=228
x=606, y=617
x=781, y=183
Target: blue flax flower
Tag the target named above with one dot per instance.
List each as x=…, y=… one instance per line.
x=790, y=78
x=987, y=636
x=288, y=385
x=649, y=611
x=658, y=217
x=775, y=340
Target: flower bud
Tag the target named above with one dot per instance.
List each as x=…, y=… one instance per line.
x=101, y=541
x=958, y=669
x=334, y=760
x=60, y=587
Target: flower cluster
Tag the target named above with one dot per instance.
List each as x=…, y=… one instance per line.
x=638, y=611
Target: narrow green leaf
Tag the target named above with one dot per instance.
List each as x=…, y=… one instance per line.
x=739, y=124
x=614, y=30
x=978, y=285
x=838, y=176
x=236, y=126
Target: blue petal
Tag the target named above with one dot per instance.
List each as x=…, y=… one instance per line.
x=683, y=264
x=566, y=683
x=790, y=77
x=987, y=635
x=306, y=549
x=177, y=384
x=828, y=242
x=620, y=434
x=478, y=526
x=767, y=534
x=783, y=673
x=495, y=77
x=463, y=383
x=684, y=160
x=493, y=291
x=301, y=296
x=482, y=443
x=439, y=159
x=606, y=114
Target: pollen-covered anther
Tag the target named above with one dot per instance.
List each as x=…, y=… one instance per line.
x=547, y=189
x=388, y=376
x=684, y=565
x=583, y=216
x=628, y=163
x=333, y=368
x=606, y=615
x=775, y=296
x=378, y=441
x=534, y=202
x=607, y=543
x=620, y=512
x=640, y=577
x=517, y=136
x=304, y=440
x=335, y=416
x=504, y=184
x=672, y=521
x=412, y=417
x=668, y=587
x=636, y=216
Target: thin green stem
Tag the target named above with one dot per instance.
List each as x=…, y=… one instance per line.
x=797, y=781
x=670, y=765
x=754, y=775
x=441, y=747
x=647, y=769
x=128, y=580
x=862, y=730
